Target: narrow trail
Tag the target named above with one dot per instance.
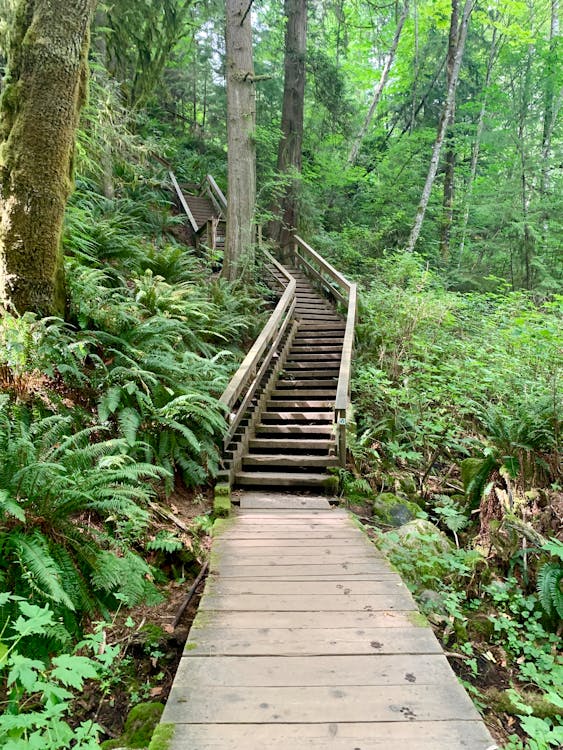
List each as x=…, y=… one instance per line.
x=305, y=638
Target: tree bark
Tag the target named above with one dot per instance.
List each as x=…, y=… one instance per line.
x=442, y=126
x=241, y=158
x=353, y=155
x=291, y=141
x=39, y=112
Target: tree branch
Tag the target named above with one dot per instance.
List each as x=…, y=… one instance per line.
x=246, y=12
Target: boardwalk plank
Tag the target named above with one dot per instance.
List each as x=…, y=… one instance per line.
x=296, y=620
x=312, y=641
x=400, y=599
x=431, y=735
x=343, y=703
x=241, y=587
x=313, y=671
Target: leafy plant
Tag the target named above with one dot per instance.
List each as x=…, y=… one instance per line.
x=70, y=509
x=40, y=691
x=550, y=580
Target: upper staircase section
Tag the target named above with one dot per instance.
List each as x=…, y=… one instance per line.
x=289, y=401
x=205, y=207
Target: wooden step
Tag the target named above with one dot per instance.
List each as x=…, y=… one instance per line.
x=298, y=405
x=298, y=416
x=294, y=429
x=313, y=327
x=318, y=347
x=313, y=355
x=304, y=393
x=309, y=383
x=307, y=337
x=330, y=374
x=283, y=459
x=285, y=479
x=314, y=364
x=293, y=446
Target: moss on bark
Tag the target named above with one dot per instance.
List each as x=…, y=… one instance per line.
x=39, y=111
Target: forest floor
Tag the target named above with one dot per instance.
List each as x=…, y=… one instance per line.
x=150, y=647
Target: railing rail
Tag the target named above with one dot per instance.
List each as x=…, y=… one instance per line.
x=216, y=194
x=183, y=201
x=345, y=291
x=249, y=375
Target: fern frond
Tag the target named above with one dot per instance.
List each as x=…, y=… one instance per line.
x=42, y=572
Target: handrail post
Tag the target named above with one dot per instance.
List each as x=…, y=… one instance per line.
x=340, y=415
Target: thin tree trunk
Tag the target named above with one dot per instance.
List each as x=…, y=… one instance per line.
x=45, y=90
x=101, y=47
x=449, y=171
x=241, y=155
x=442, y=127
x=353, y=155
x=495, y=43
x=527, y=241
x=415, y=71
x=551, y=111
x=291, y=141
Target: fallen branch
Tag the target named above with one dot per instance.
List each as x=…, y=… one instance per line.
x=170, y=516
x=189, y=595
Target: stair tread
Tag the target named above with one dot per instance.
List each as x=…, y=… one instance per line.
x=284, y=478
x=305, y=444
x=284, y=459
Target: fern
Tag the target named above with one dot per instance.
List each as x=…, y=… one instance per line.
x=550, y=580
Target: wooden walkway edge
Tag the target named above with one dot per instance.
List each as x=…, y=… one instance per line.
x=305, y=638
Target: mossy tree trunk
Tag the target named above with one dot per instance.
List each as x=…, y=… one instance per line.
x=39, y=112
x=238, y=260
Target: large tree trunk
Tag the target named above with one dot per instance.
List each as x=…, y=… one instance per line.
x=39, y=112
x=353, y=155
x=443, y=124
x=291, y=141
x=241, y=156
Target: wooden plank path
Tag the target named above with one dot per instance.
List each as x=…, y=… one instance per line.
x=305, y=638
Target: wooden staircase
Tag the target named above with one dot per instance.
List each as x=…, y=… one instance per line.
x=292, y=429
x=205, y=207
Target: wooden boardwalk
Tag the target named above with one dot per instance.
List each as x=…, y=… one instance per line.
x=306, y=639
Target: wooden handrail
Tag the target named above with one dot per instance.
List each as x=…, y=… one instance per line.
x=217, y=192
x=347, y=290
x=268, y=337
x=324, y=264
x=343, y=388
x=284, y=272
x=183, y=201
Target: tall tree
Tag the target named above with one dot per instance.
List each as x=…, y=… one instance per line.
x=45, y=90
x=449, y=103
x=352, y=156
x=241, y=149
x=291, y=141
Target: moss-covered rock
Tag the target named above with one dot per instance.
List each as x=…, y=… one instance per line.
x=394, y=510
x=469, y=467
x=408, y=486
x=222, y=500
x=139, y=727
x=162, y=737
x=410, y=534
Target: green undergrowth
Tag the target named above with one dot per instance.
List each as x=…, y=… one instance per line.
x=455, y=457
x=102, y=415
